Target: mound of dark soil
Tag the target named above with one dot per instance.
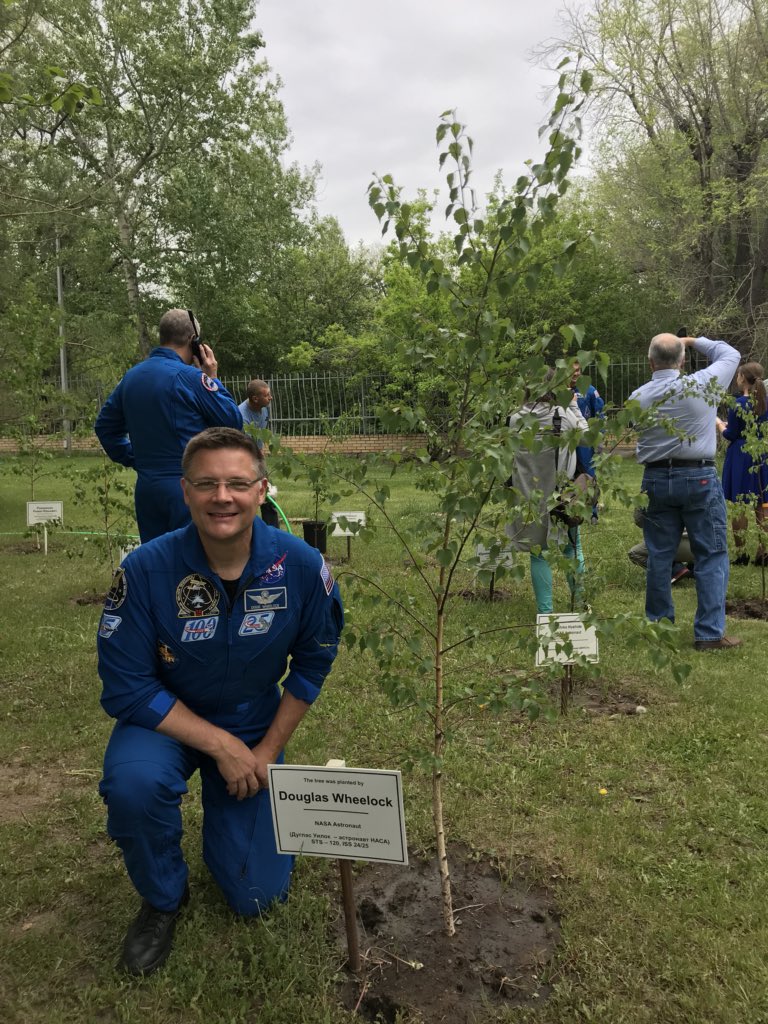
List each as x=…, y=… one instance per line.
x=746, y=608
x=506, y=933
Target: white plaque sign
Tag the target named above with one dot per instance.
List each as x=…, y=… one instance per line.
x=44, y=512
x=351, y=517
x=504, y=556
x=555, y=630
x=355, y=813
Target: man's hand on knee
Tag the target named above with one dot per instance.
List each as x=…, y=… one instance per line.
x=238, y=767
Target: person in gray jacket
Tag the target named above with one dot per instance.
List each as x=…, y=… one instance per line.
x=537, y=477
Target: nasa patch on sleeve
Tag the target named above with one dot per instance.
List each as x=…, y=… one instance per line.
x=208, y=382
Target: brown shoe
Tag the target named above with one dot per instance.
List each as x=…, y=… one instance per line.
x=723, y=644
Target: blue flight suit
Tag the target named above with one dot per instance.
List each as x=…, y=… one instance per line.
x=590, y=404
x=145, y=424
x=167, y=633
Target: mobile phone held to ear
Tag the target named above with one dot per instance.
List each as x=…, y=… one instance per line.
x=194, y=342
x=682, y=332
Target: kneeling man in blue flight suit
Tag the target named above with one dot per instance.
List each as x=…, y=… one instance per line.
x=198, y=628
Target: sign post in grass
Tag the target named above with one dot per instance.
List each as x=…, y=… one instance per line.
x=43, y=513
x=344, y=813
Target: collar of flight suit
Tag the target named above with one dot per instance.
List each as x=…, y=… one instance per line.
x=264, y=551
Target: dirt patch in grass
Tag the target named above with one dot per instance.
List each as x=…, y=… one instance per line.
x=598, y=702
x=23, y=547
x=506, y=934
x=26, y=792
x=485, y=594
x=89, y=597
x=746, y=608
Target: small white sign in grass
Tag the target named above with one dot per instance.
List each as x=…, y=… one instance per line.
x=340, y=530
x=351, y=519
x=335, y=812
x=503, y=556
x=344, y=813
x=44, y=512
x=562, y=637
x=41, y=513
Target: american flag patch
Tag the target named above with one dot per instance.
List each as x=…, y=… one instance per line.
x=327, y=577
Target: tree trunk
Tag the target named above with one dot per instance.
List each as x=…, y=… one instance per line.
x=437, y=787
x=132, y=281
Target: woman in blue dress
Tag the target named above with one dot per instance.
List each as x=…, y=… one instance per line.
x=745, y=479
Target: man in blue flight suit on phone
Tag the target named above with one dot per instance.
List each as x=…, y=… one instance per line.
x=198, y=628
x=155, y=409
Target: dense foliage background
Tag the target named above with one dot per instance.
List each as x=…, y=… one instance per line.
x=144, y=154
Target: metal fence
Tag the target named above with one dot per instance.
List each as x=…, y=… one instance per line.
x=311, y=404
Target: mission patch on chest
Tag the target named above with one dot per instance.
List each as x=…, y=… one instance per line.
x=256, y=623
x=196, y=596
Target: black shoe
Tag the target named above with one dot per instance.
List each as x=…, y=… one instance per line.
x=741, y=560
x=149, y=939
x=760, y=559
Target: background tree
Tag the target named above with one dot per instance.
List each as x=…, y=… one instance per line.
x=172, y=77
x=681, y=105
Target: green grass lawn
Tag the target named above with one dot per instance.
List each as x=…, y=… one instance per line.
x=660, y=881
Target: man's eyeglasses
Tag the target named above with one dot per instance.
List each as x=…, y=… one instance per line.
x=236, y=484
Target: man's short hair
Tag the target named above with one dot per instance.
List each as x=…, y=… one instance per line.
x=666, y=352
x=220, y=438
x=255, y=386
x=175, y=328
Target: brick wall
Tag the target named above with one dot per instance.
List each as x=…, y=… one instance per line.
x=356, y=444
x=353, y=445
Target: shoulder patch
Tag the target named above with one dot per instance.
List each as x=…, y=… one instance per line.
x=327, y=577
x=108, y=625
x=208, y=382
x=118, y=591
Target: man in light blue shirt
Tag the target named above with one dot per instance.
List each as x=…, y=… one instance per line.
x=255, y=411
x=681, y=482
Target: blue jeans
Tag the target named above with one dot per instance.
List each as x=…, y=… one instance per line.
x=687, y=497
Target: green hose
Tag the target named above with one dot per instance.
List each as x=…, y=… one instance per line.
x=284, y=517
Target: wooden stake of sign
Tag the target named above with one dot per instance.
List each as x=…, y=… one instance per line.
x=350, y=915
x=566, y=688
x=338, y=531
x=348, y=898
